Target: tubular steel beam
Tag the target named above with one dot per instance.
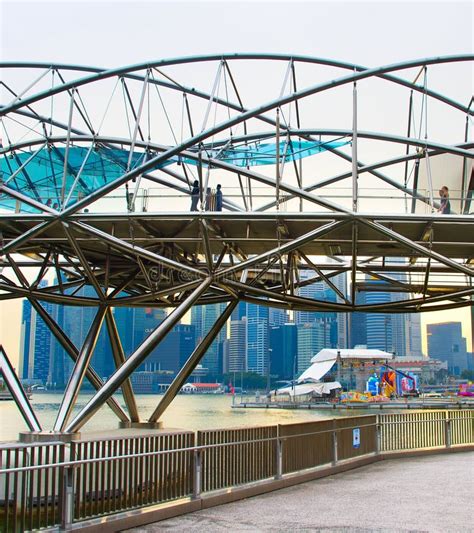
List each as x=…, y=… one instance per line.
x=100, y=74
x=140, y=354
x=192, y=362
x=73, y=353
x=421, y=249
x=199, y=138
x=119, y=359
x=300, y=241
x=136, y=250
x=79, y=371
x=14, y=386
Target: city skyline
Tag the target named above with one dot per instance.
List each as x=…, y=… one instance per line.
x=256, y=339
x=434, y=37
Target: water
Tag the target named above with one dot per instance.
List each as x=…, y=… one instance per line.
x=191, y=412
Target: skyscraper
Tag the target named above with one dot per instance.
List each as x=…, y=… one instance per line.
x=311, y=339
x=283, y=350
x=203, y=317
x=173, y=350
x=277, y=317
x=446, y=343
x=238, y=346
x=35, y=343
x=257, y=338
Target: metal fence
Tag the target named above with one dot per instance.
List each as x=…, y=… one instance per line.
x=55, y=484
x=126, y=473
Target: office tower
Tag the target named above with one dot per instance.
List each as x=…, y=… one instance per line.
x=379, y=325
x=238, y=346
x=446, y=343
x=26, y=357
x=311, y=340
x=413, y=334
x=257, y=338
x=342, y=319
x=203, y=317
x=239, y=312
x=338, y=322
x=61, y=364
x=277, y=317
x=358, y=323
x=225, y=356
x=173, y=350
x=397, y=333
x=283, y=351
x=313, y=291
x=35, y=343
x=196, y=320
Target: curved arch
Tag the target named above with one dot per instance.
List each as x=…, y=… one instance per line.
x=125, y=71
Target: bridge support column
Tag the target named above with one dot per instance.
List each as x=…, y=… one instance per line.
x=140, y=354
x=191, y=363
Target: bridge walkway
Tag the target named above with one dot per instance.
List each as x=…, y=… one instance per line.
x=431, y=493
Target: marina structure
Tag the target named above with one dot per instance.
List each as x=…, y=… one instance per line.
x=101, y=167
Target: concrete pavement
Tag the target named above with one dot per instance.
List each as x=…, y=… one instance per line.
x=433, y=493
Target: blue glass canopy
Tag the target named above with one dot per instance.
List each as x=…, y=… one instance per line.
x=40, y=176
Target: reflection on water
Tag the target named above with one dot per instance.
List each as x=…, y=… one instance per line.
x=187, y=412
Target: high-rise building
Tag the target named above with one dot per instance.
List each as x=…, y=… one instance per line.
x=257, y=338
x=239, y=312
x=203, y=317
x=35, y=343
x=283, y=351
x=446, y=343
x=26, y=357
x=238, y=346
x=311, y=340
x=337, y=322
x=173, y=350
x=277, y=317
x=397, y=333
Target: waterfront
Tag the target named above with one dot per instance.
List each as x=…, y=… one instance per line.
x=192, y=412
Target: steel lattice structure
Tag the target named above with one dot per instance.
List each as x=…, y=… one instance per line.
x=92, y=160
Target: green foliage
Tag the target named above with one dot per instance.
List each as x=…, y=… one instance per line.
x=250, y=380
x=467, y=374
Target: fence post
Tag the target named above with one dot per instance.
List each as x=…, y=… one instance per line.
x=67, y=498
x=334, y=443
x=197, y=474
x=447, y=430
x=279, y=458
x=378, y=435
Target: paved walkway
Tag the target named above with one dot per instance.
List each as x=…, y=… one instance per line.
x=433, y=493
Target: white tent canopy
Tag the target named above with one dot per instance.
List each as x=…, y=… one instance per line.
x=317, y=389
x=324, y=360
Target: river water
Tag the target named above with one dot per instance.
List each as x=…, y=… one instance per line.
x=191, y=412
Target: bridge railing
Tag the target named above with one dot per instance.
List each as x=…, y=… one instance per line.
x=56, y=484
x=165, y=199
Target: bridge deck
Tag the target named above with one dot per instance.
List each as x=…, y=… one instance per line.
x=252, y=233
x=431, y=493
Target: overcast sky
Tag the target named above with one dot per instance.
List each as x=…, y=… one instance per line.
x=109, y=34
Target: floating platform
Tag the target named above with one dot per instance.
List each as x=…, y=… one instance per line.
x=412, y=404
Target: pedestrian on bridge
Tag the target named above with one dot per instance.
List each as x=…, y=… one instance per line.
x=445, y=204
x=195, y=195
x=219, y=198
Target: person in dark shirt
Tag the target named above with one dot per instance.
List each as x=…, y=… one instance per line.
x=445, y=205
x=219, y=198
x=195, y=195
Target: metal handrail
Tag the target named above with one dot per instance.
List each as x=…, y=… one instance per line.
x=216, y=445
x=174, y=450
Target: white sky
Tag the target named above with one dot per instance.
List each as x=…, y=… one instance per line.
x=108, y=34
